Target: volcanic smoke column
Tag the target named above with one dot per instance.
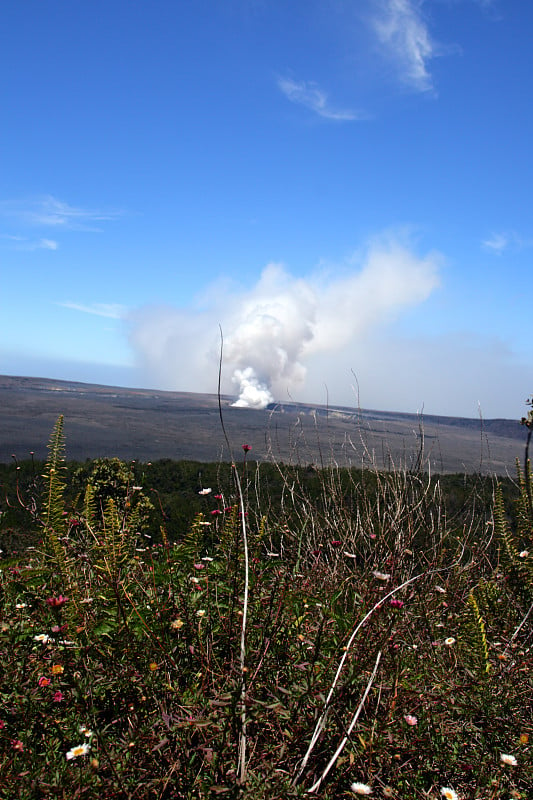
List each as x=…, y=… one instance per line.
x=276, y=322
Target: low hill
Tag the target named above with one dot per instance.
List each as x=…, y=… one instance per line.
x=145, y=425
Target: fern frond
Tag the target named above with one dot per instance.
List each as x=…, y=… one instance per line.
x=474, y=638
x=54, y=523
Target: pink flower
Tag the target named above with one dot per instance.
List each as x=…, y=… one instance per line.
x=396, y=603
x=199, y=566
x=58, y=697
x=411, y=719
x=44, y=681
x=17, y=745
x=247, y=448
x=56, y=602
x=336, y=543
x=217, y=496
x=215, y=512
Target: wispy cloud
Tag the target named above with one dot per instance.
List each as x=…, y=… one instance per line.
x=497, y=243
x=48, y=211
x=22, y=243
x=109, y=310
x=505, y=240
x=309, y=95
x=403, y=33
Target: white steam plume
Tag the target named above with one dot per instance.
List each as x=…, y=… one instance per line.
x=271, y=329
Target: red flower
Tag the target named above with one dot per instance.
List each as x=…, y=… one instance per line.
x=44, y=681
x=215, y=512
x=17, y=745
x=58, y=697
x=336, y=543
x=247, y=448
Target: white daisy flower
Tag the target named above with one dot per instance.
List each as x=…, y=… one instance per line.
x=449, y=794
x=509, y=760
x=80, y=750
x=360, y=788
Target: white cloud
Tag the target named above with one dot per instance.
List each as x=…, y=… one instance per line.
x=48, y=244
x=309, y=95
x=48, y=211
x=272, y=330
x=22, y=243
x=110, y=310
x=506, y=240
x=497, y=243
x=404, y=35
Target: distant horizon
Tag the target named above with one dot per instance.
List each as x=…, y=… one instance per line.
x=287, y=402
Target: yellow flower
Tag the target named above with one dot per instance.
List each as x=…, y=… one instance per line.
x=176, y=624
x=57, y=669
x=153, y=666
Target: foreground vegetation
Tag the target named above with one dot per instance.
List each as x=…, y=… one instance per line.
x=288, y=633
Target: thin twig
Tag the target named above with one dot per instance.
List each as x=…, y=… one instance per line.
x=325, y=708
x=338, y=751
x=241, y=759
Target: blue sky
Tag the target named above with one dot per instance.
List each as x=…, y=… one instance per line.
x=344, y=188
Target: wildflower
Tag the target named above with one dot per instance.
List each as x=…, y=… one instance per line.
x=21, y=605
x=449, y=642
x=200, y=612
x=44, y=681
x=360, y=788
x=247, y=448
x=58, y=697
x=86, y=731
x=396, y=603
x=42, y=637
x=509, y=760
x=336, y=543
x=411, y=719
x=449, y=794
x=215, y=512
x=217, y=496
x=56, y=602
x=17, y=745
x=205, y=491
x=199, y=566
x=206, y=558
x=176, y=624
x=57, y=669
x=523, y=554
x=80, y=750
x=381, y=576
x=153, y=666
